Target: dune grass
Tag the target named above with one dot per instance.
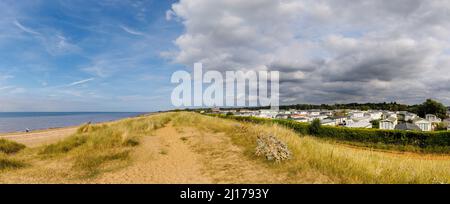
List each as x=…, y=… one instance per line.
x=6, y=162
x=7, y=148
x=10, y=147
x=325, y=162
x=96, y=148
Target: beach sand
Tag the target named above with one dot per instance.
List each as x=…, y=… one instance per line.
x=42, y=137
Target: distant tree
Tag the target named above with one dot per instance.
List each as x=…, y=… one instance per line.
x=432, y=107
x=441, y=126
x=365, y=108
x=375, y=124
x=314, y=127
x=340, y=113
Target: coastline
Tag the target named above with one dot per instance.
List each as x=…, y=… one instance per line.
x=40, y=137
x=7, y=134
x=19, y=122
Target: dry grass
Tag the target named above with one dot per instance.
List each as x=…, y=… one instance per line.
x=8, y=163
x=10, y=147
x=92, y=150
x=226, y=154
x=323, y=162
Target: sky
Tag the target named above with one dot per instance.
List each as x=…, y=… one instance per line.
x=119, y=55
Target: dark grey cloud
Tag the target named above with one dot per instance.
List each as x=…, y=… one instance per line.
x=328, y=51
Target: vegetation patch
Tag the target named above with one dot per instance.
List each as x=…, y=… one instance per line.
x=9, y=163
x=131, y=142
x=65, y=145
x=272, y=149
x=92, y=163
x=164, y=152
x=10, y=147
x=97, y=148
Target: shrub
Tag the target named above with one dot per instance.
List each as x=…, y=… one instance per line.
x=10, y=147
x=314, y=128
x=272, y=148
x=131, y=142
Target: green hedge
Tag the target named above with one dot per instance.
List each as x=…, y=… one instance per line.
x=429, y=140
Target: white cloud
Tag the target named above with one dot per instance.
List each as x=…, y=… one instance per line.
x=328, y=50
x=81, y=82
x=25, y=29
x=131, y=31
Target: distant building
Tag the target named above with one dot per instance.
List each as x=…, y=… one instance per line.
x=328, y=122
x=375, y=115
x=407, y=127
x=357, y=114
x=299, y=115
x=388, y=114
x=340, y=120
x=282, y=116
x=424, y=125
x=268, y=113
x=320, y=117
x=432, y=118
x=360, y=124
x=388, y=123
x=327, y=113
x=215, y=110
x=301, y=120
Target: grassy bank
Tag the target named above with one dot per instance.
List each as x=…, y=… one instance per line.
x=413, y=141
x=317, y=161
x=7, y=160
x=10, y=147
x=221, y=145
x=93, y=149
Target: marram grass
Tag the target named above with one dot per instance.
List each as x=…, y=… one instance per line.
x=96, y=149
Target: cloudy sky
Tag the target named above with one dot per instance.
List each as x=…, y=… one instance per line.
x=118, y=55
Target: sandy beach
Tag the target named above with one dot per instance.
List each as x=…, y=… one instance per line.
x=41, y=137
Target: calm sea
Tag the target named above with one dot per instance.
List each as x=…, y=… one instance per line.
x=19, y=122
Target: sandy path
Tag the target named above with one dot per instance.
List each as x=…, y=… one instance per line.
x=227, y=163
x=162, y=158
x=175, y=155
x=34, y=139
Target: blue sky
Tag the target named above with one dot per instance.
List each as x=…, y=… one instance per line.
x=119, y=55
x=78, y=55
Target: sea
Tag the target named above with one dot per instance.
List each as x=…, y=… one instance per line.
x=21, y=121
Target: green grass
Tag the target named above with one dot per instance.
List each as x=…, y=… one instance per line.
x=10, y=147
